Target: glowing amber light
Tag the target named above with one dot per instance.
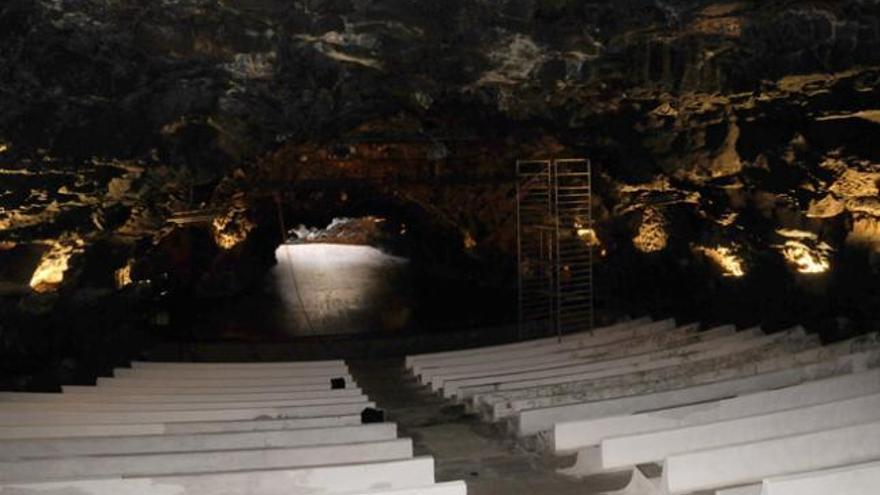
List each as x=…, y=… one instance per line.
x=123, y=275
x=231, y=229
x=804, y=251
x=49, y=273
x=730, y=264
x=652, y=236
x=806, y=259
x=588, y=236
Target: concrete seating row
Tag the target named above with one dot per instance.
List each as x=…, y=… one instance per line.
x=214, y=439
x=622, y=332
x=853, y=479
x=534, y=415
x=576, y=378
x=572, y=436
x=606, y=384
x=611, y=331
x=742, y=413
x=643, y=338
x=414, y=475
x=683, y=340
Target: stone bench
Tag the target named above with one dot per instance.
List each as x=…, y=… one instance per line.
x=409, y=473
x=507, y=404
x=159, y=464
x=705, y=388
x=551, y=346
x=643, y=336
x=292, y=365
x=571, y=436
x=87, y=395
x=643, y=448
x=592, y=369
x=320, y=390
x=306, y=381
x=632, y=349
x=505, y=399
x=414, y=359
x=200, y=442
x=747, y=463
x=104, y=430
x=856, y=479
x=447, y=488
x=223, y=373
x=48, y=418
x=172, y=406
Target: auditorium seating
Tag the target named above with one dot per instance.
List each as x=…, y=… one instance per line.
x=209, y=428
x=716, y=410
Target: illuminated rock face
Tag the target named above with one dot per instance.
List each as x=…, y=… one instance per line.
x=652, y=235
x=232, y=228
x=708, y=125
x=805, y=252
x=726, y=258
x=50, y=271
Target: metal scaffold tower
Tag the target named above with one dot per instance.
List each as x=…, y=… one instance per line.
x=554, y=246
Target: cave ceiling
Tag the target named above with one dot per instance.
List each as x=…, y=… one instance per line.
x=114, y=114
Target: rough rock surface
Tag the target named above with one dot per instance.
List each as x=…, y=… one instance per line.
x=712, y=124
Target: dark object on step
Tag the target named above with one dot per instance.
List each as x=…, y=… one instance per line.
x=337, y=383
x=370, y=415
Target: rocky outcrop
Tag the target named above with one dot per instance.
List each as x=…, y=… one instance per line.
x=712, y=125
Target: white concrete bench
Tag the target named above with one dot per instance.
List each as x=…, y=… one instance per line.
x=568, y=437
x=857, y=479
x=747, y=463
x=105, y=430
x=447, y=488
x=79, y=395
x=533, y=421
x=629, y=451
x=222, y=374
x=145, y=444
x=159, y=464
x=338, y=479
x=173, y=389
x=172, y=406
x=319, y=381
x=633, y=349
x=506, y=404
x=550, y=346
x=414, y=359
x=591, y=370
x=293, y=365
x=734, y=358
x=648, y=336
x=48, y=418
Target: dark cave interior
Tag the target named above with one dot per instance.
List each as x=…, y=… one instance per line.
x=736, y=170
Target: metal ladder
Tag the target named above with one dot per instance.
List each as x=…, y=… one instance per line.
x=554, y=261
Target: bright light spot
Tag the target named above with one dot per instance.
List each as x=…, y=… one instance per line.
x=804, y=251
x=232, y=228
x=50, y=271
x=469, y=241
x=728, y=261
x=588, y=236
x=796, y=234
x=652, y=236
x=805, y=258
x=123, y=275
x=339, y=288
x=4, y=147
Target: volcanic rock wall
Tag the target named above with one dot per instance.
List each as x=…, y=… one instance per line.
x=734, y=143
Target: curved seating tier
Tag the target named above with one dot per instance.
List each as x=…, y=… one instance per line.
x=737, y=412
x=209, y=428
